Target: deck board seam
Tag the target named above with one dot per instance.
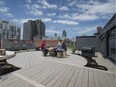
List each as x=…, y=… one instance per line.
x=28, y=80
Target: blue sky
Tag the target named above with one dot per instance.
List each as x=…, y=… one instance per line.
x=77, y=17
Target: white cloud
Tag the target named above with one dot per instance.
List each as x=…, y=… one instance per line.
x=45, y=4
x=65, y=16
x=72, y=3
x=2, y=2
x=28, y=1
x=53, y=31
x=21, y=21
x=46, y=19
x=33, y=9
x=8, y=14
x=27, y=6
x=51, y=14
x=79, y=17
x=35, y=6
x=91, y=10
x=84, y=17
x=103, y=9
x=36, y=12
x=68, y=22
x=87, y=30
x=64, y=8
x=4, y=10
x=95, y=9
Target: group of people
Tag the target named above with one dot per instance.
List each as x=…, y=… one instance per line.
x=61, y=47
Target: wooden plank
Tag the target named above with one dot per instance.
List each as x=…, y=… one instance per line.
x=85, y=82
x=13, y=81
x=47, y=80
x=51, y=72
x=44, y=72
x=113, y=79
x=29, y=85
x=17, y=83
x=33, y=69
x=74, y=78
x=111, y=83
x=80, y=78
x=68, y=78
x=91, y=78
x=97, y=79
x=20, y=59
x=30, y=81
x=9, y=78
x=103, y=79
x=51, y=83
x=61, y=79
x=25, y=62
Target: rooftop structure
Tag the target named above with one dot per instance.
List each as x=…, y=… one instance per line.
x=104, y=40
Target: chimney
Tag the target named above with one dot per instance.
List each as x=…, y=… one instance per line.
x=99, y=29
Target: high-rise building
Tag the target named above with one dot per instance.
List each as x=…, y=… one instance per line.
x=55, y=35
x=64, y=34
x=9, y=30
x=33, y=29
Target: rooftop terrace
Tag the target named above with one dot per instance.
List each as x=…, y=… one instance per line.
x=39, y=71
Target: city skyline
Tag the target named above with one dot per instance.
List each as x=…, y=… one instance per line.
x=75, y=16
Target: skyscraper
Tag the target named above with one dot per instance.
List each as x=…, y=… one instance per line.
x=55, y=35
x=33, y=29
x=64, y=34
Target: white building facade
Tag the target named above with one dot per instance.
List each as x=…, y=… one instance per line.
x=9, y=30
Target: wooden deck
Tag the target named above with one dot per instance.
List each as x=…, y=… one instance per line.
x=49, y=73
x=27, y=59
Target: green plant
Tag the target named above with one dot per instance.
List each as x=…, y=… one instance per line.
x=73, y=50
x=71, y=46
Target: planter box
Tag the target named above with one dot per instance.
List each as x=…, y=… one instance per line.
x=2, y=52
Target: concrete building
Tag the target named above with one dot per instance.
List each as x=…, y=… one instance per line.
x=33, y=29
x=108, y=39
x=64, y=34
x=9, y=30
x=104, y=40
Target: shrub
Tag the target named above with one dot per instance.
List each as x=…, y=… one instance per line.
x=73, y=50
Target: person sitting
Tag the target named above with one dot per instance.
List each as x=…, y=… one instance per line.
x=52, y=51
x=59, y=49
x=59, y=46
x=43, y=48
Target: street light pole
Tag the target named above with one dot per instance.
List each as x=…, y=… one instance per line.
x=1, y=38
